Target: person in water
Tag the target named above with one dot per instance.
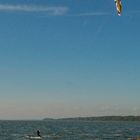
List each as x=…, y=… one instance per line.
x=38, y=133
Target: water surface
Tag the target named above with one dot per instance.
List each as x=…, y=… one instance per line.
x=69, y=130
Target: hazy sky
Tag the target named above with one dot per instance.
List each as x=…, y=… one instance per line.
x=68, y=58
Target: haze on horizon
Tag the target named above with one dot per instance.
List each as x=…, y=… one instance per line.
x=69, y=59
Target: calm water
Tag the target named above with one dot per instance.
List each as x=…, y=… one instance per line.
x=69, y=130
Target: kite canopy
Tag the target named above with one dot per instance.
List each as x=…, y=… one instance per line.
x=118, y=7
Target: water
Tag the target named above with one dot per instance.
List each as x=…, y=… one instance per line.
x=69, y=130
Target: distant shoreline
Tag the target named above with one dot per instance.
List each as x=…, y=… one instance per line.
x=101, y=118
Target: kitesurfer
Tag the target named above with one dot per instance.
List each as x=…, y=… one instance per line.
x=38, y=133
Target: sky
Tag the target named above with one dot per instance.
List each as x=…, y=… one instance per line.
x=69, y=58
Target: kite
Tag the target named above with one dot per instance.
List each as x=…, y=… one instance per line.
x=118, y=7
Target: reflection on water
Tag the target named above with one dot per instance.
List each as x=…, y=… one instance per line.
x=69, y=130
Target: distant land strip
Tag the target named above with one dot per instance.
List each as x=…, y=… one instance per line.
x=102, y=118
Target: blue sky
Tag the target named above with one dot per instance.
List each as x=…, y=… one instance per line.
x=69, y=58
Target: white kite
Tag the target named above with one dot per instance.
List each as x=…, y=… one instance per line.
x=118, y=7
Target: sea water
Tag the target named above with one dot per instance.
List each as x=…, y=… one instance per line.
x=69, y=130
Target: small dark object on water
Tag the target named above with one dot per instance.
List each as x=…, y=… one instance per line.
x=38, y=133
